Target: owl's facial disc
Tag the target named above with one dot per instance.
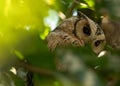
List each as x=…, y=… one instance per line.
x=98, y=45
x=86, y=30
x=90, y=32
x=83, y=30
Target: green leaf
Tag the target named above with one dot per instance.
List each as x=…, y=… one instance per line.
x=17, y=80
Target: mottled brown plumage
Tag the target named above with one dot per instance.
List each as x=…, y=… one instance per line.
x=77, y=31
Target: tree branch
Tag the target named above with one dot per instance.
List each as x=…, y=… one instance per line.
x=34, y=68
x=71, y=8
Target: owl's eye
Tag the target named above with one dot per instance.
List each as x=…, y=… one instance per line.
x=86, y=30
x=97, y=43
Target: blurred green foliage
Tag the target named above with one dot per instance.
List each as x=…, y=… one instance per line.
x=24, y=24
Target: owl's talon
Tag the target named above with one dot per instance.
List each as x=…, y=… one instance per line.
x=65, y=37
x=75, y=43
x=82, y=43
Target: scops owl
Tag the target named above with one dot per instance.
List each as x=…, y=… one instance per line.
x=77, y=31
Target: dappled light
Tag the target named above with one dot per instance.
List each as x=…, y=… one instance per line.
x=27, y=59
x=19, y=18
x=52, y=19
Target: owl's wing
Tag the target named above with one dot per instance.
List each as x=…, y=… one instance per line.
x=57, y=38
x=64, y=34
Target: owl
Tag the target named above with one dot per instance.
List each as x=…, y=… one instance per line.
x=77, y=31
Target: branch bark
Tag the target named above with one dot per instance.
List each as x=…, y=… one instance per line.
x=34, y=68
x=71, y=8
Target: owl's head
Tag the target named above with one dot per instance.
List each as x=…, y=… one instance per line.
x=90, y=32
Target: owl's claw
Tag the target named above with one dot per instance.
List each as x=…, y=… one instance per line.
x=67, y=39
x=55, y=40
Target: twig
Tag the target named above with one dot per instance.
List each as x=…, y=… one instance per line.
x=34, y=68
x=71, y=8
